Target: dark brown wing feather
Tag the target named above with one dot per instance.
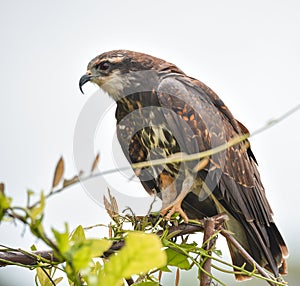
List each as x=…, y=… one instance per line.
x=238, y=189
x=199, y=121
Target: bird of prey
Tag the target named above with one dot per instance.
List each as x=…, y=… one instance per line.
x=162, y=112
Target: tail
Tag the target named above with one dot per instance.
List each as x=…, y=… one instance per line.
x=265, y=245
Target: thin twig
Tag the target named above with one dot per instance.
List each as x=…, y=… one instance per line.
x=273, y=122
x=207, y=153
x=246, y=255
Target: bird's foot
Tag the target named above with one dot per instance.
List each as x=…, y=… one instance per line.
x=171, y=203
x=173, y=208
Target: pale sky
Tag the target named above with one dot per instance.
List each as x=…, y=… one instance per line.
x=247, y=52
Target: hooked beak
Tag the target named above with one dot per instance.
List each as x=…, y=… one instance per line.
x=84, y=79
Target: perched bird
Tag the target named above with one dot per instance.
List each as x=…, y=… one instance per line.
x=161, y=113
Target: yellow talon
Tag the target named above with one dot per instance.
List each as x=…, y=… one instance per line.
x=173, y=208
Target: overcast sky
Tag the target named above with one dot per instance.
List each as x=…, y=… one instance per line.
x=246, y=51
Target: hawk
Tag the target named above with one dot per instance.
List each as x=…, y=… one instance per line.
x=161, y=113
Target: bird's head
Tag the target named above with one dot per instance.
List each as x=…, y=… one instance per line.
x=115, y=70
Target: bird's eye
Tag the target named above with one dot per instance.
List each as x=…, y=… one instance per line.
x=103, y=66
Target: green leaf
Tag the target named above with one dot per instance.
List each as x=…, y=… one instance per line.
x=175, y=258
x=30, y=192
x=57, y=280
x=92, y=277
x=98, y=246
x=83, y=250
x=4, y=204
x=165, y=269
x=148, y=283
x=141, y=253
x=79, y=251
x=218, y=252
x=78, y=234
x=80, y=257
x=44, y=279
x=189, y=246
x=62, y=239
x=36, y=228
x=36, y=212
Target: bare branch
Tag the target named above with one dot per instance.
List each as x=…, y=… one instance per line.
x=209, y=229
x=24, y=259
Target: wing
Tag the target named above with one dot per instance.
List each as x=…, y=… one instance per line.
x=232, y=175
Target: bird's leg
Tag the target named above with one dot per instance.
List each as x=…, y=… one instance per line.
x=175, y=205
x=172, y=202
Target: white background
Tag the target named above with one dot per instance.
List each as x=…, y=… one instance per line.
x=246, y=51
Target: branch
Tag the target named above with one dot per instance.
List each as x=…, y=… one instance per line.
x=23, y=258
x=246, y=255
x=208, y=242
x=10, y=256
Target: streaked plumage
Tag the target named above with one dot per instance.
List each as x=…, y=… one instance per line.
x=163, y=112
